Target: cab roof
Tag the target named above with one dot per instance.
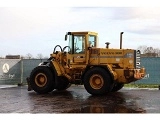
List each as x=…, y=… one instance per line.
x=83, y=32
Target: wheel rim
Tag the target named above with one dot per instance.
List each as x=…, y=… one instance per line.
x=40, y=79
x=96, y=110
x=96, y=81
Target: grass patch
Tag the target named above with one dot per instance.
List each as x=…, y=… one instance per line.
x=141, y=86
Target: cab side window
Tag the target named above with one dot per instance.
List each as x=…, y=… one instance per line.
x=92, y=41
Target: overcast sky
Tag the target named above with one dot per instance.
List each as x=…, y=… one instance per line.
x=36, y=30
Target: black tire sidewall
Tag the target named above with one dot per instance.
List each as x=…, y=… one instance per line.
x=106, y=77
x=49, y=86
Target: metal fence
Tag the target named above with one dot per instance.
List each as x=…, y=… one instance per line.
x=152, y=65
x=15, y=71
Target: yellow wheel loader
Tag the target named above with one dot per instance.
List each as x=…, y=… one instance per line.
x=81, y=62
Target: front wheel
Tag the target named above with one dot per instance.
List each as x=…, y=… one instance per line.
x=97, y=81
x=42, y=79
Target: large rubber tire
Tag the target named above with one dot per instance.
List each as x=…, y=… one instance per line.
x=63, y=83
x=117, y=87
x=97, y=81
x=42, y=79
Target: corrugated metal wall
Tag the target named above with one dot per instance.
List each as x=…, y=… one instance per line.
x=10, y=71
x=152, y=66
x=14, y=71
x=28, y=66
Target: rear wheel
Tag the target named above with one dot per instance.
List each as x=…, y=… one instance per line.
x=97, y=81
x=117, y=86
x=42, y=79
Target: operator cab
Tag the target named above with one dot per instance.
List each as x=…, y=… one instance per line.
x=79, y=44
x=79, y=41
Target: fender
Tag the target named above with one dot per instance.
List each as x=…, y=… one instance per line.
x=105, y=67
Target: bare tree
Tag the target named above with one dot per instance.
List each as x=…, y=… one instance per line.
x=45, y=57
x=22, y=57
x=149, y=51
x=39, y=56
x=157, y=50
x=142, y=48
x=29, y=56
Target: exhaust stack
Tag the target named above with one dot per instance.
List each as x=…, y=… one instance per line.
x=121, y=40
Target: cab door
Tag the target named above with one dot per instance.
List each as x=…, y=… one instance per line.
x=79, y=49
